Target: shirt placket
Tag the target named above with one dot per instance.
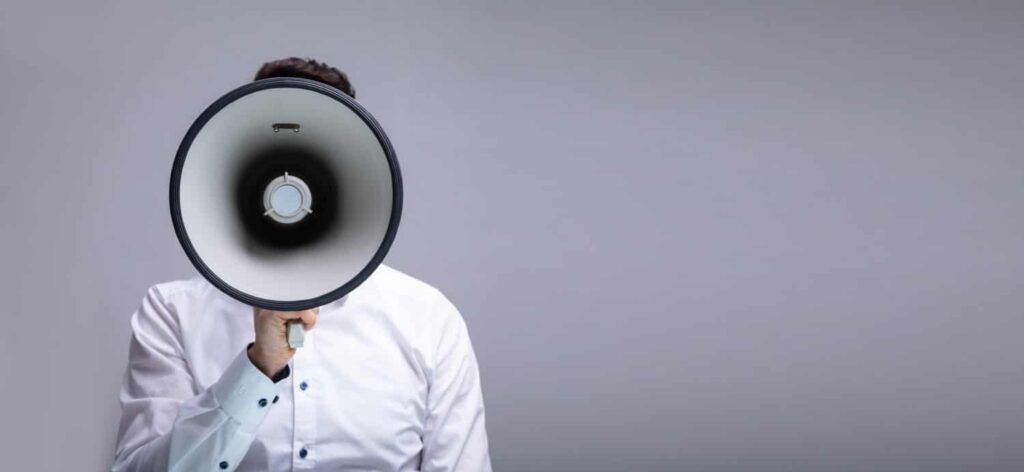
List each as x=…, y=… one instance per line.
x=305, y=394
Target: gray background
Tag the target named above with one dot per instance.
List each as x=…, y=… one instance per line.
x=685, y=236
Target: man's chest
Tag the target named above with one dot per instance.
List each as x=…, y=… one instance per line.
x=355, y=397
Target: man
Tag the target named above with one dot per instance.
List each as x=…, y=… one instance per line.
x=386, y=381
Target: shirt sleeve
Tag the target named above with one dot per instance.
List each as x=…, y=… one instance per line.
x=455, y=438
x=168, y=424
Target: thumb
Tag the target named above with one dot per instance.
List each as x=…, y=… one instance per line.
x=308, y=318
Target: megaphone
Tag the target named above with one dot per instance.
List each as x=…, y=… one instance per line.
x=285, y=194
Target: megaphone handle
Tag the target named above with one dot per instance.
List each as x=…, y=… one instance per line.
x=296, y=335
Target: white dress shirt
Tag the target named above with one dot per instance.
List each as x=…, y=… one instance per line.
x=386, y=381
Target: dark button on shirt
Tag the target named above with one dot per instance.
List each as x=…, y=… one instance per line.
x=303, y=452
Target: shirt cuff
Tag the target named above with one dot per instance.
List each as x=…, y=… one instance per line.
x=244, y=392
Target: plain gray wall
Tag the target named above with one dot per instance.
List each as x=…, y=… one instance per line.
x=685, y=236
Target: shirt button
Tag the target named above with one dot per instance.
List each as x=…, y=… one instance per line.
x=224, y=465
x=274, y=400
x=303, y=452
x=263, y=402
x=303, y=385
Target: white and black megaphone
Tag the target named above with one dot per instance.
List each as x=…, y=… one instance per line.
x=286, y=195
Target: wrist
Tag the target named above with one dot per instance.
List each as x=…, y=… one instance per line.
x=270, y=365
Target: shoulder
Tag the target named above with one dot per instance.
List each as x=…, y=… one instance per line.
x=392, y=283
x=180, y=293
x=422, y=313
x=168, y=302
x=409, y=297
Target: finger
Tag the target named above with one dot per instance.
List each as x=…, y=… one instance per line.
x=283, y=315
x=308, y=318
x=262, y=312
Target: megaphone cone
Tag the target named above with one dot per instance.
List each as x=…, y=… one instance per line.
x=285, y=194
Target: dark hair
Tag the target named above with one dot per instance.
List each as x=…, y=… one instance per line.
x=307, y=69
